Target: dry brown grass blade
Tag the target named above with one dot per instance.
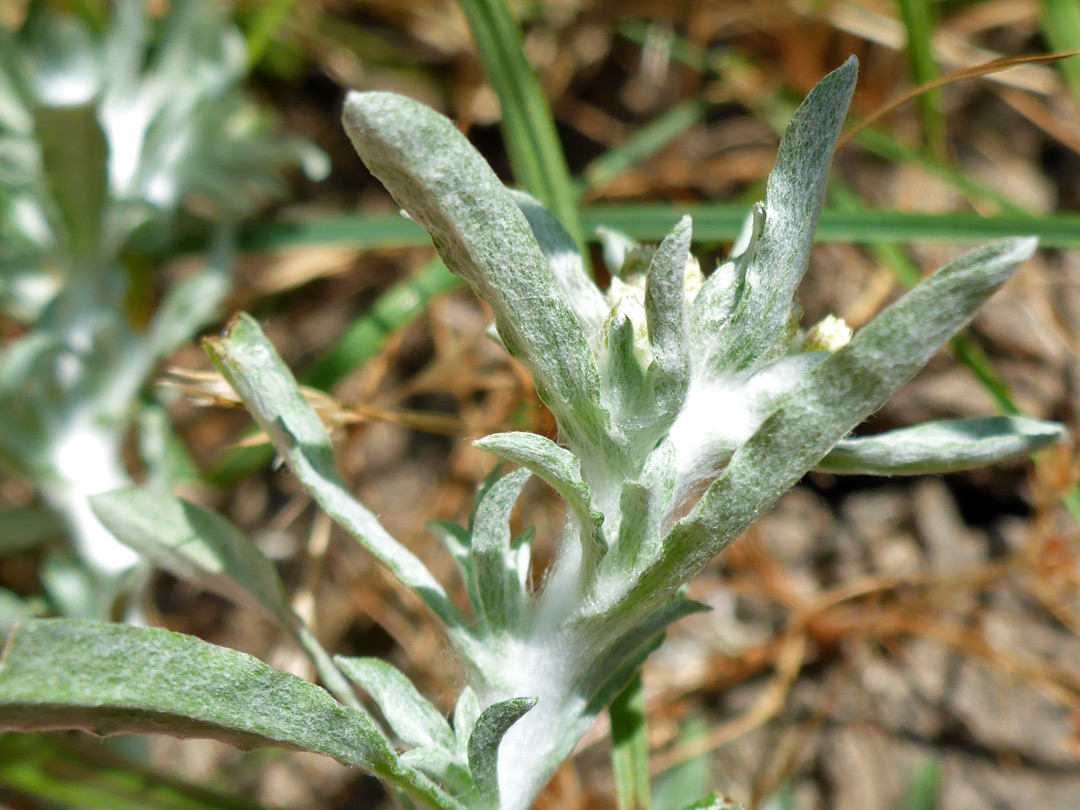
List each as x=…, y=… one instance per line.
x=768, y=704
x=209, y=389
x=995, y=66
x=1043, y=118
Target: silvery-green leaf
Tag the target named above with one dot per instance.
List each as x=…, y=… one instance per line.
x=458, y=541
x=665, y=313
x=490, y=728
x=195, y=545
x=616, y=247
x=482, y=490
x=625, y=382
x=562, y=254
x=445, y=185
x=466, y=713
x=446, y=768
x=561, y=470
x=712, y=309
x=204, y=548
x=75, y=155
x=720, y=415
x=940, y=447
x=643, y=505
x=410, y=715
x=611, y=672
x=844, y=389
x=12, y=610
x=111, y=679
x=493, y=561
x=793, y=201
x=269, y=391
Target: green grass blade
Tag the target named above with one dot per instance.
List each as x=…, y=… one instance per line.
x=267, y=22
x=66, y=773
x=395, y=308
x=630, y=747
x=720, y=222
x=922, y=793
x=644, y=143
x=687, y=778
x=885, y=145
x=917, y=18
x=363, y=231
x=528, y=126
x=1061, y=27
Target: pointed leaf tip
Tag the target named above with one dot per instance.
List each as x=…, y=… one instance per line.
x=665, y=314
x=486, y=737
x=442, y=182
x=844, y=389
x=794, y=196
x=941, y=447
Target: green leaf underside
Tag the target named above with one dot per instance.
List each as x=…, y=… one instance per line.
x=444, y=184
x=195, y=545
x=466, y=713
x=713, y=222
x=409, y=714
x=630, y=747
x=493, y=563
x=842, y=390
x=610, y=673
x=458, y=541
x=562, y=254
x=490, y=728
x=270, y=393
x=561, y=470
x=665, y=313
x=111, y=679
x=941, y=447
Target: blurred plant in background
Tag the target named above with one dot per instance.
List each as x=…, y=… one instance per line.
x=115, y=146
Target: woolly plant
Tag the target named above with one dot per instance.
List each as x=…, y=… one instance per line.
x=107, y=137
x=686, y=405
